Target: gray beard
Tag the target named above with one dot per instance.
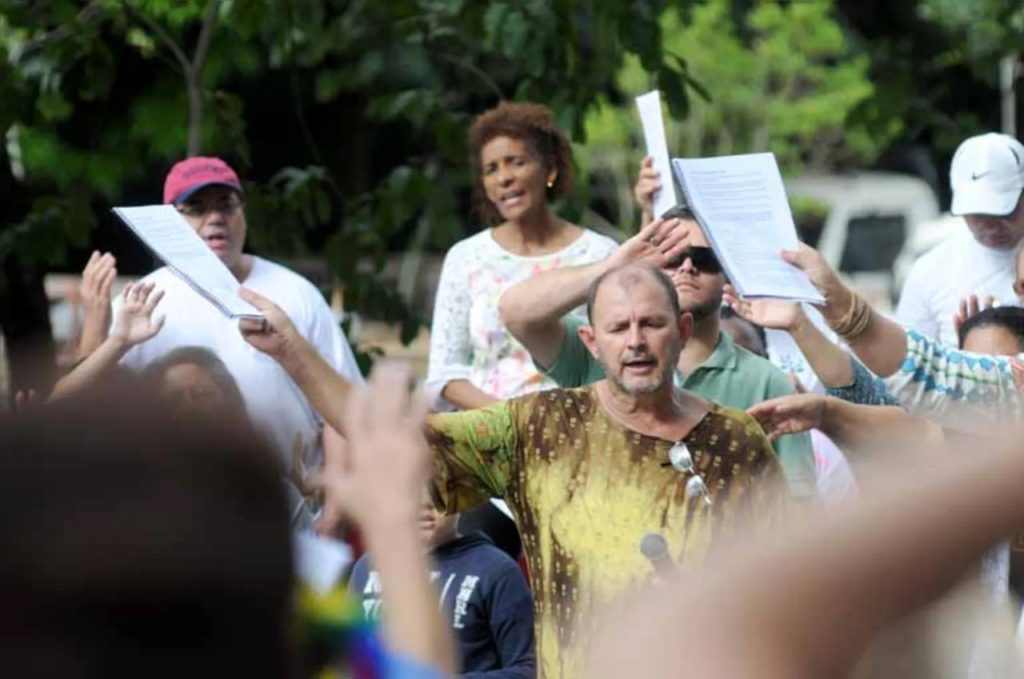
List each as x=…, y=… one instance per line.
x=666, y=377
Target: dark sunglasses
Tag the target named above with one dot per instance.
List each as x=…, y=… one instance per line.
x=702, y=258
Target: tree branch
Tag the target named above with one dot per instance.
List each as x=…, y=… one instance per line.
x=164, y=37
x=300, y=114
x=205, y=37
x=483, y=77
x=88, y=13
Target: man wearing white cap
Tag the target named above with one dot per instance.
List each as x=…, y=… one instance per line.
x=987, y=177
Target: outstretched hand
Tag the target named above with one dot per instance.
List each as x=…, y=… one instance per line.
x=767, y=313
x=387, y=465
x=273, y=335
x=790, y=414
x=134, y=323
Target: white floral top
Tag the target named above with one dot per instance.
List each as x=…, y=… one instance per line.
x=467, y=338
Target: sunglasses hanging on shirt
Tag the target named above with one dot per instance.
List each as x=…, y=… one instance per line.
x=681, y=460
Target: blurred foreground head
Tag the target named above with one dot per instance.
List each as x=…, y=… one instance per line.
x=136, y=546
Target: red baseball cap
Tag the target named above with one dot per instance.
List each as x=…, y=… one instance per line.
x=190, y=175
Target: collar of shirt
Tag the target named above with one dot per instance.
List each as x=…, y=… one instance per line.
x=724, y=357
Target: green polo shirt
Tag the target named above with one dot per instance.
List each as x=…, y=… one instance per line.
x=731, y=376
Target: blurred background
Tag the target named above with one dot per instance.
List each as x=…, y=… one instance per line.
x=348, y=120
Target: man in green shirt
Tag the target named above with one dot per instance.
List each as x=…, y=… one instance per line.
x=711, y=365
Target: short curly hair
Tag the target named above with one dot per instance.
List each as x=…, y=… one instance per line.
x=527, y=122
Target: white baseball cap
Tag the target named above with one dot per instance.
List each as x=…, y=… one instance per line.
x=987, y=175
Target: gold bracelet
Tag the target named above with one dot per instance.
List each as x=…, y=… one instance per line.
x=853, y=324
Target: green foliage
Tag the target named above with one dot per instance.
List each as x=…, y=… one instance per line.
x=784, y=78
x=986, y=30
x=371, y=101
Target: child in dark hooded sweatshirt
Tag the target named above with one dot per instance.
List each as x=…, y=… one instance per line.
x=482, y=592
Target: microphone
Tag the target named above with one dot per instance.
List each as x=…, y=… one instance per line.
x=655, y=549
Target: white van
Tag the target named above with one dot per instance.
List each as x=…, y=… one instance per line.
x=869, y=226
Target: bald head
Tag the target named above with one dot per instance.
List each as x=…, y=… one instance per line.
x=629, y=276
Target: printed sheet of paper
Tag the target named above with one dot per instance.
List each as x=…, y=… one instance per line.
x=741, y=203
x=649, y=106
x=169, y=236
x=319, y=561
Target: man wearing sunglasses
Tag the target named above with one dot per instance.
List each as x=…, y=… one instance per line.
x=987, y=177
x=710, y=364
x=208, y=194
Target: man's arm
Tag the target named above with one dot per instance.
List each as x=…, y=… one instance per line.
x=532, y=310
x=848, y=424
x=322, y=386
x=511, y=622
x=474, y=454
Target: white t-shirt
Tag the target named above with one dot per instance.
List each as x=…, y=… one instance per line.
x=955, y=268
x=274, y=403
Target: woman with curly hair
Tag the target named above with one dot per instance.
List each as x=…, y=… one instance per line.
x=521, y=163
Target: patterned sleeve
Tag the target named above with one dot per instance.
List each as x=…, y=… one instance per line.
x=866, y=388
x=451, y=353
x=474, y=454
x=960, y=390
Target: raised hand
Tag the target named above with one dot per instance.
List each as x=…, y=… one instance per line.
x=790, y=414
x=275, y=334
x=837, y=296
x=388, y=464
x=647, y=184
x=94, y=292
x=970, y=307
x=134, y=323
x=767, y=313
x=657, y=244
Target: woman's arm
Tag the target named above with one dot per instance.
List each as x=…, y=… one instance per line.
x=451, y=349
x=133, y=325
x=465, y=396
x=94, y=291
x=881, y=344
x=829, y=362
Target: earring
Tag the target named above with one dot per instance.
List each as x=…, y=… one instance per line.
x=551, y=183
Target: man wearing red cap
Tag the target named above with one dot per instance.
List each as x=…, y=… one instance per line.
x=208, y=194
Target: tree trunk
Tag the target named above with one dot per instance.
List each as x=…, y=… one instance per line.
x=195, y=115
x=25, y=319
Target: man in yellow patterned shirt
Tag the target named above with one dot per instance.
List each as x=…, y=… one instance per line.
x=588, y=471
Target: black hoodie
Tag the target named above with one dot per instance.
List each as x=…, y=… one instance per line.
x=484, y=597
